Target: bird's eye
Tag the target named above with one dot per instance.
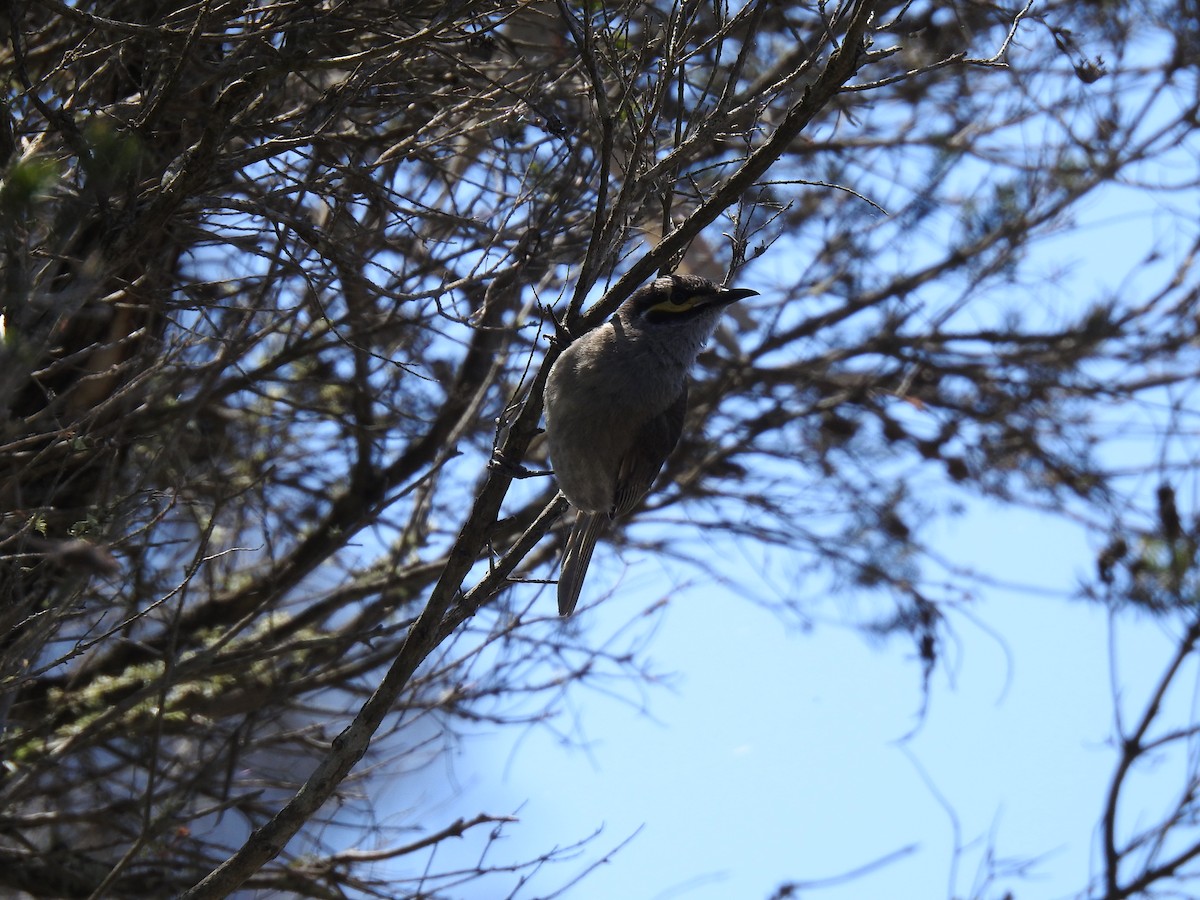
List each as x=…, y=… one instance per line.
x=679, y=299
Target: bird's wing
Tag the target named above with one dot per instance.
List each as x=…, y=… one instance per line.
x=651, y=446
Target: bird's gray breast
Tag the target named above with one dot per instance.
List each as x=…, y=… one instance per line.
x=602, y=389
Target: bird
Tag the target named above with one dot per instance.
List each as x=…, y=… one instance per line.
x=615, y=401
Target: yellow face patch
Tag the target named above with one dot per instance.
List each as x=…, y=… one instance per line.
x=681, y=303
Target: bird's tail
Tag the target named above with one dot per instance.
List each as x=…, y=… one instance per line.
x=576, y=557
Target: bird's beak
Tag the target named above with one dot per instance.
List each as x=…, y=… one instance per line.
x=726, y=296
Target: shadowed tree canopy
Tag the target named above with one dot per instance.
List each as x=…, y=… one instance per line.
x=278, y=288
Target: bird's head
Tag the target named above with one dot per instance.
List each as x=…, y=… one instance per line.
x=676, y=299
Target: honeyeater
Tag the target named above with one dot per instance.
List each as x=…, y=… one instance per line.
x=615, y=402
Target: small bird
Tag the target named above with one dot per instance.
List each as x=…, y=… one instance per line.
x=615, y=402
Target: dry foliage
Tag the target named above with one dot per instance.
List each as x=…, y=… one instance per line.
x=277, y=287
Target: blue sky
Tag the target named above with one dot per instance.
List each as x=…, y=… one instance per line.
x=779, y=756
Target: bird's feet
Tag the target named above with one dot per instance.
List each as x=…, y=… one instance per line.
x=499, y=463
